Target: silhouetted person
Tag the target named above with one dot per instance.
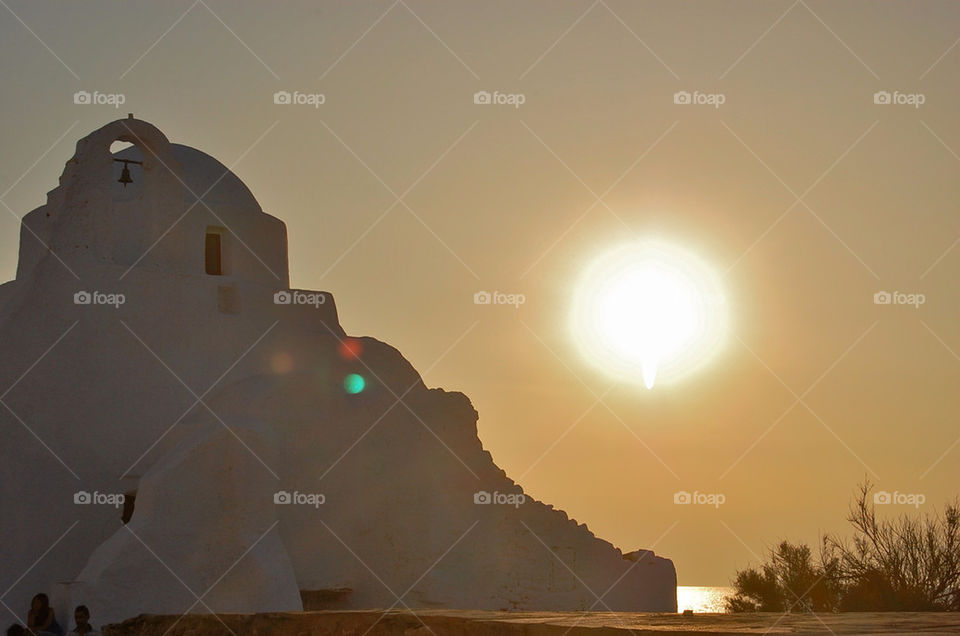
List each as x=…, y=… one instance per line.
x=40, y=619
x=16, y=630
x=81, y=616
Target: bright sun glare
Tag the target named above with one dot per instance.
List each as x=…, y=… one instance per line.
x=646, y=311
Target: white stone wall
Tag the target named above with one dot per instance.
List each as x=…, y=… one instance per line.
x=114, y=397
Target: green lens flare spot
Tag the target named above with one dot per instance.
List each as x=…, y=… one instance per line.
x=354, y=383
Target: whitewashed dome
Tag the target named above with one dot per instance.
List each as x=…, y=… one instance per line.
x=201, y=173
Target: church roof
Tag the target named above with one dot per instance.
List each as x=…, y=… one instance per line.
x=205, y=177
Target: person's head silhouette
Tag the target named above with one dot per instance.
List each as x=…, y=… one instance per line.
x=81, y=615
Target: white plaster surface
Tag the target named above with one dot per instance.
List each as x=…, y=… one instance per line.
x=105, y=399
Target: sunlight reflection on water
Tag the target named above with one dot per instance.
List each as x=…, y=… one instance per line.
x=703, y=599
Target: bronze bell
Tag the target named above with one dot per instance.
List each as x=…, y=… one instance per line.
x=125, y=176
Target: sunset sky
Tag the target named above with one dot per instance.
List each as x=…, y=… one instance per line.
x=404, y=198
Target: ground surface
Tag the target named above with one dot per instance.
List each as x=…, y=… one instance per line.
x=484, y=623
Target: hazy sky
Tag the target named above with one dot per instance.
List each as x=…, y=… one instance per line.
x=800, y=191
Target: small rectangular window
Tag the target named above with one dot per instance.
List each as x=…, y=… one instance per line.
x=214, y=261
x=129, y=501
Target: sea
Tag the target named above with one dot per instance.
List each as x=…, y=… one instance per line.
x=703, y=599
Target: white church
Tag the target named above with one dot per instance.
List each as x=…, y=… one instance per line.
x=182, y=432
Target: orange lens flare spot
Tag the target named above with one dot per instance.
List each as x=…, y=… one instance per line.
x=281, y=363
x=351, y=349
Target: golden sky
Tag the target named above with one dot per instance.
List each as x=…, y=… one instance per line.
x=403, y=197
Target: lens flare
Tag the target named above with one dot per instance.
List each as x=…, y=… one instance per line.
x=281, y=363
x=354, y=383
x=648, y=312
x=350, y=348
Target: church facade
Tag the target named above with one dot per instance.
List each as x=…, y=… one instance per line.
x=189, y=433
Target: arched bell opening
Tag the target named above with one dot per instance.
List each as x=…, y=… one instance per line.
x=127, y=174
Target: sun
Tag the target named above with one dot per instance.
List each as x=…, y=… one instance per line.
x=647, y=311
